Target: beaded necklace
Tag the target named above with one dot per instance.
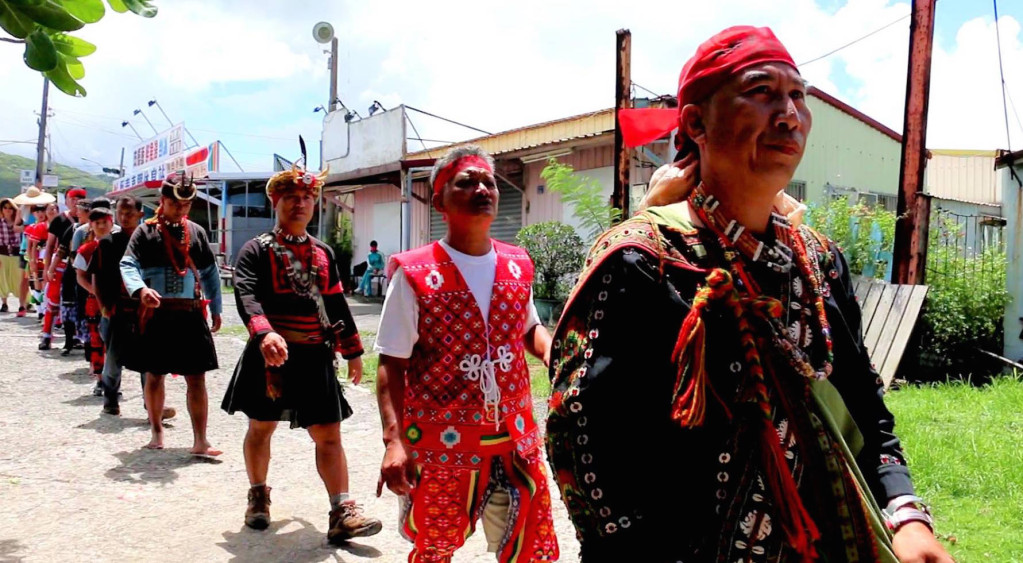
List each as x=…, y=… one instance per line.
x=172, y=243
x=789, y=248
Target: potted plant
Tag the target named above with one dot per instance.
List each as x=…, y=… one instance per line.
x=558, y=254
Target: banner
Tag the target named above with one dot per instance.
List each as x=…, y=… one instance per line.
x=197, y=162
x=164, y=145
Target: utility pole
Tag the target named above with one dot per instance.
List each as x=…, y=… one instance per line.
x=333, y=74
x=41, y=145
x=623, y=100
x=913, y=224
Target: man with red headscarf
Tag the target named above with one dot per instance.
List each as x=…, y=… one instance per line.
x=714, y=346
x=288, y=291
x=453, y=386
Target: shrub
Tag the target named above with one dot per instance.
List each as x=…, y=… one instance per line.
x=851, y=226
x=593, y=211
x=557, y=253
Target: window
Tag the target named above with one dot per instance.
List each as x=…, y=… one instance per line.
x=797, y=189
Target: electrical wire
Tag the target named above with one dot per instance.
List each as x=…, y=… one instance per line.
x=449, y=120
x=416, y=131
x=648, y=90
x=854, y=41
x=1001, y=72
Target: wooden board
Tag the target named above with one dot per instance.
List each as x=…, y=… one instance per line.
x=900, y=340
x=872, y=332
x=869, y=304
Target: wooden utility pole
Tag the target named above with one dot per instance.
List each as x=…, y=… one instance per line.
x=41, y=144
x=623, y=100
x=333, y=74
x=912, y=226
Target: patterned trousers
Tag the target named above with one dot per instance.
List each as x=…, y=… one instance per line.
x=447, y=502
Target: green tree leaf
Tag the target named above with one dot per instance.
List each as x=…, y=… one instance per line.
x=63, y=80
x=14, y=22
x=117, y=6
x=144, y=8
x=72, y=46
x=89, y=11
x=40, y=53
x=74, y=66
x=51, y=15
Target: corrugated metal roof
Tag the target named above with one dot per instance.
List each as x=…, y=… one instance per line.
x=534, y=136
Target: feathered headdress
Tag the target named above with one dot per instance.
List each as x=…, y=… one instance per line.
x=298, y=178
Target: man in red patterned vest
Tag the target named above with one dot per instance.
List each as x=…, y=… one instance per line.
x=453, y=385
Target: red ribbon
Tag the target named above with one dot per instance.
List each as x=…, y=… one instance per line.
x=452, y=169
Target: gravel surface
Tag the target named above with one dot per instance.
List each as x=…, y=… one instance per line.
x=76, y=485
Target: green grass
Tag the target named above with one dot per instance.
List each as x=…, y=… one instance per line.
x=234, y=330
x=966, y=455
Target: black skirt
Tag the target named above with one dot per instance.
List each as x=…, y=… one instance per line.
x=311, y=392
x=173, y=341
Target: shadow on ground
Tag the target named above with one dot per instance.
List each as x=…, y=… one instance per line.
x=80, y=376
x=154, y=466
x=306, y=544
x=9, y=551
x=107, y=424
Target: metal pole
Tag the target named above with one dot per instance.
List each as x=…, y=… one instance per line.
x=143, y=114
x=122, y=163
x=911, y=228
x=623, y=100
x=333, y=74
x=406, y=210
x=159, y=107
x=133, y=130
x=223, y=146
x=40, y=146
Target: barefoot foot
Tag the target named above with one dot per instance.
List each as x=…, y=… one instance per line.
x=156, y=443
x=205, y=450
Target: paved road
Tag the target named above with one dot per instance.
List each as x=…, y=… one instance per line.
x=75, y=485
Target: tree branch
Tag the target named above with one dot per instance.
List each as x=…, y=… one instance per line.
x=9, y=40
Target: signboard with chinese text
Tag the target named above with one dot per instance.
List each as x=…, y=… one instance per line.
x=153, y=150
x=198, y=162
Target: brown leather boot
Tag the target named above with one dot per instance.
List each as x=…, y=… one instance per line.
x=257, y=515
x=347, y=521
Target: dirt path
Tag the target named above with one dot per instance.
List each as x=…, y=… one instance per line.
x=75, y=485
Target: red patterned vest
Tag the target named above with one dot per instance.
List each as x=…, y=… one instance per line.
x=448, y=419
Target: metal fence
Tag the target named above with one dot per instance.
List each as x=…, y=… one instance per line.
x=963, y=245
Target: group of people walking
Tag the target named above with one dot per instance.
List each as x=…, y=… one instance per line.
x=712, y=397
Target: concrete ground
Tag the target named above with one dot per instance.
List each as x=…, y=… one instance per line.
x=76, y=485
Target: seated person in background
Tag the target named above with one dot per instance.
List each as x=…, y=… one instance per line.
x=376, y=268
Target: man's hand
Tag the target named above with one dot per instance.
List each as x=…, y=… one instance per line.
x=396, y=471
x=274, y=349
x=915, y=543
x=216, y=323
x=50, y=275
x=355, y=370
x=149, y=297
x=671, y=183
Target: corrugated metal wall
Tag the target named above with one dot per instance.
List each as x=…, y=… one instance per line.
x=964, y=176
x=362, y=220
x=547, y=206
x=846, y=152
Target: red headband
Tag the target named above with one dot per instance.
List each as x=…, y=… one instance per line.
x=715, y=61
x=453, y=168
x=76, y=192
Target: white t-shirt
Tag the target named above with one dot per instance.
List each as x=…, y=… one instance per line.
x=399, y=320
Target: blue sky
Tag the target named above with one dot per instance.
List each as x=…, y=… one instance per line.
x=250, y=74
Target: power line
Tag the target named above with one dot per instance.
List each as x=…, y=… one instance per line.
x=855, y=41
x=449, y=120
x=649, y=91
x=1001, y=72
x=416, y=131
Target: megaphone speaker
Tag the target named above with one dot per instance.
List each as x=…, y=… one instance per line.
x=323, y=32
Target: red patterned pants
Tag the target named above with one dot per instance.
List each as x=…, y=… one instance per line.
x=94, y=351
x=448, y=501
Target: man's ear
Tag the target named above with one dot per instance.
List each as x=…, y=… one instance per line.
x=438, y=201
x=692, y=123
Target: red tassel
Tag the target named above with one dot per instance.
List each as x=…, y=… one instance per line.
x=795, y=520
x=689, y=406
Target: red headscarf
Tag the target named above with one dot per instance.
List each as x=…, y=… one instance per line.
x=715, y=61
x=453, y=168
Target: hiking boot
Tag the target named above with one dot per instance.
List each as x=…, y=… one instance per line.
x=44, y=344
x=257, y=515
x=347, y=521
x=111, y=407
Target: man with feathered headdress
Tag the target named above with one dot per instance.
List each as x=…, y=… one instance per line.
x=712, y=398
x=289, y=295
x=170, y=268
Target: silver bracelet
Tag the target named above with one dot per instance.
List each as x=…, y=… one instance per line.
x=907, y=508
